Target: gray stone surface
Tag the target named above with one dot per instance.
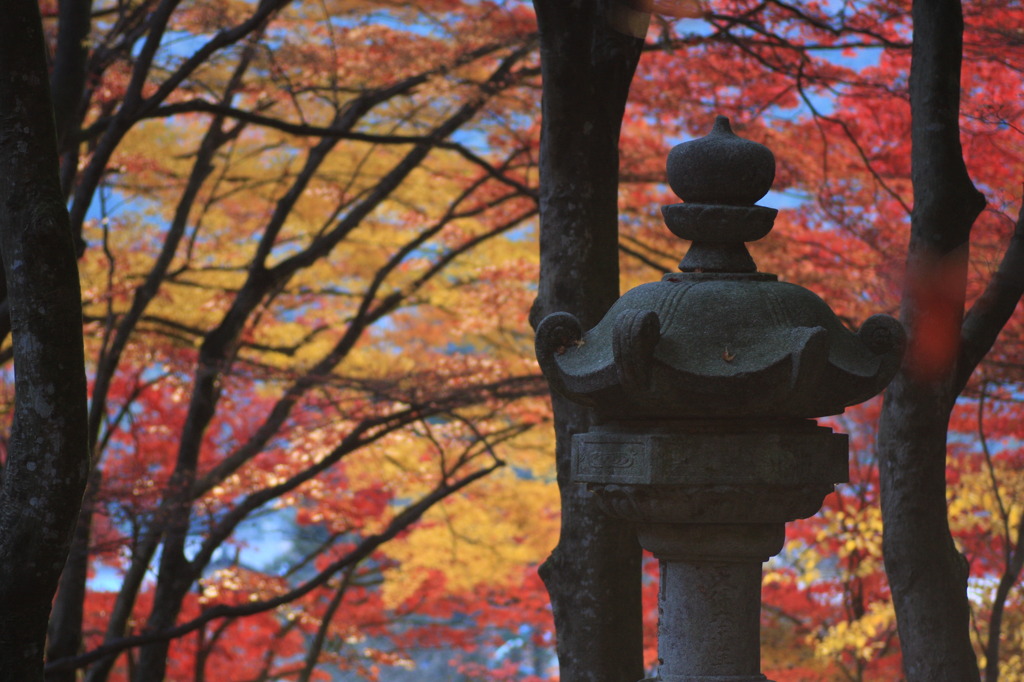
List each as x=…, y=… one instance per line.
x=720, y=168
x=710, y=625
x=711, y=472
x=707, y=383
x=719, y=455
x=719, y=339
x=719, y=347
x=710, y=499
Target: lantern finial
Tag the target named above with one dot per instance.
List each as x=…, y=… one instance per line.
x=720, y=177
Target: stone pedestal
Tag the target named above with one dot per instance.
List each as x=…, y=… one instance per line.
x=710, y=500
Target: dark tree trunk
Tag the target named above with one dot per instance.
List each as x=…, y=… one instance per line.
x=65, y=629
x=927, y=574
x=47, y=456
x=67, y=86
x=74, y=21
x=593, y=575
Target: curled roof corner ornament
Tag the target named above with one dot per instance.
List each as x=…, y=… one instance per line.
x=719, y=338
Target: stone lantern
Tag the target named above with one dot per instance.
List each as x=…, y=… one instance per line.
x=707, y=385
